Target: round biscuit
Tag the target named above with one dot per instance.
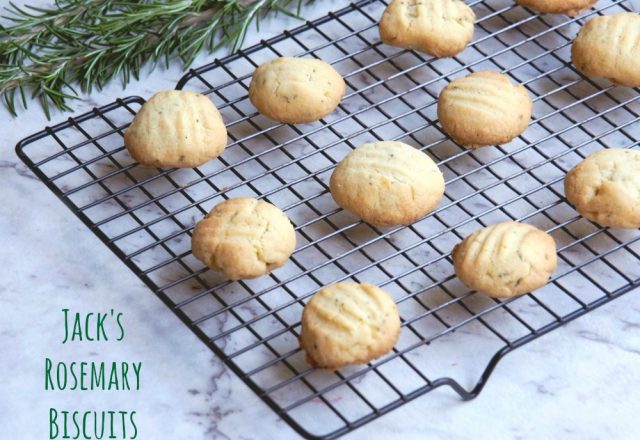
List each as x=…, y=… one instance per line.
x=296, y=90
x=506, y=259
x=608, y=46
x=348, y=323
x=441, y=28
x=176, y=129
x=387, y=183
x=243, y=238
x=571, y=8
x=484, y=108
x=605, y=187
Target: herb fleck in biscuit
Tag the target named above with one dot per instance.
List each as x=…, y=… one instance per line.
x=441, y=28
x=568, y=7
x=387, y=183
x=296, y=90
x=348, y=323
x=244, y=238
x=506, y=259
x=605, y=187
x=176, y=129
x=608, y=46
x=484, y=108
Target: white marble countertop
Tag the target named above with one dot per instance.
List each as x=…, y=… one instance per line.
x=579, y=382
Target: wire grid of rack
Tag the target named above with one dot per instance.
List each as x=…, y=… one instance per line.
x=451, y=336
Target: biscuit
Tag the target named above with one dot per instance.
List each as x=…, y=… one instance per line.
x=484, y=108
x=506, y=259
x=348, y=323
x=571, y=8
x=296, y=90
x=441, y=28
x=176, y=129
x=608, y=47
x=605, y=187
x=244, y=238
x=387, y=183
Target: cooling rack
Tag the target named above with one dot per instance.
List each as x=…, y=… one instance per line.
x=451, y=336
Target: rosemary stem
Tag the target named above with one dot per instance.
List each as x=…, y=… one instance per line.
x=46, y=51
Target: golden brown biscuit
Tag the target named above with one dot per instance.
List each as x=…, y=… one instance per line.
x=348, y=323
x=296, y=90
x=506, y=259
x=605, y=187
x=244, y=238
x=608, y=47
x=484, y=108
x=441, y=28
x=176, y=129
x=387, y=183
x=568, y=7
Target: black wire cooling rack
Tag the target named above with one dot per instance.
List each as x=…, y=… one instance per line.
x=451, y=336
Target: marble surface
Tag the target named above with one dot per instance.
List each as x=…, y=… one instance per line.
x=578, y=382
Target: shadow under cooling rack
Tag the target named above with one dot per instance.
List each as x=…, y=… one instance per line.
x=451, y=336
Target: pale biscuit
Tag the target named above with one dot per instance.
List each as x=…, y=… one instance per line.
x=484, y=108
x=441, y=28
x=571, y=8
x=244, y=238
x=348, y=323
x=296, y=90
x=605, y=187
x=387, y=183
x=506, y=259
x=609, y=47
x=176, y=129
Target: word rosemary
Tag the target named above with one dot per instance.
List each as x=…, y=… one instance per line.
x=44, y=52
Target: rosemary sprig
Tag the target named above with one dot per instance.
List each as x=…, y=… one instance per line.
x=89, y=42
